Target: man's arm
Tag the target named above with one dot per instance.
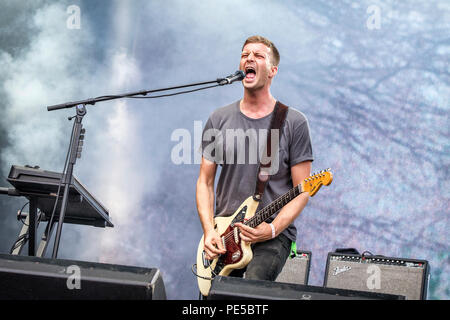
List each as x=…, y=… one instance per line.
x=205, y=207
x=287, y=215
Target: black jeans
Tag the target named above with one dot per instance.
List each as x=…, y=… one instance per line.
x=268, y=260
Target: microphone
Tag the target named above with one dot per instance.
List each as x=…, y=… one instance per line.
x=237, y=76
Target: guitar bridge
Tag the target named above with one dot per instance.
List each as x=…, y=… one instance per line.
x=236, y=235
x=206, y=262
x=224, y=243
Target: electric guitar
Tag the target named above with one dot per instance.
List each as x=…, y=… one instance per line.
x=239, y=253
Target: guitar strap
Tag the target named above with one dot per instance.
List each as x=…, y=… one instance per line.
x=278, y=117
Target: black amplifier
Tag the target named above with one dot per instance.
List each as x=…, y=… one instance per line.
x=33, y=278
x=296, y=269
x=232, y=288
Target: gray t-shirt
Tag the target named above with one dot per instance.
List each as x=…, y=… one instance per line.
x=236, y=142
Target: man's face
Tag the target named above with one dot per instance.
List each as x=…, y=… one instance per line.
x=256, y=63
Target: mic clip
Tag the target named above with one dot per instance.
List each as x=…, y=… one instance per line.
x=237, y=76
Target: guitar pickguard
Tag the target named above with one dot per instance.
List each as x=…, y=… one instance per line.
x=234, y=250
x=240, y=216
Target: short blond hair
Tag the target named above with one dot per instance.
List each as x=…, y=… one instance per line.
x=275, y=55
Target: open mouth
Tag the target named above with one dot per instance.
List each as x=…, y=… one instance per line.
x=250, y=73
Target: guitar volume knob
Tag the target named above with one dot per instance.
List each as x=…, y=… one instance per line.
x=235, y=256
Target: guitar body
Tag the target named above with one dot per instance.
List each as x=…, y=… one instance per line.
x=239, y=253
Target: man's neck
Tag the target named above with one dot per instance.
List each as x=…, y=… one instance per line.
x=257, y=104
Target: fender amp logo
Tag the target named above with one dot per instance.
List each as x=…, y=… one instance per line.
x=338, y=270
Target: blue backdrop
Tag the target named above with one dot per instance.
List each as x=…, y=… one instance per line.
x=371, y=76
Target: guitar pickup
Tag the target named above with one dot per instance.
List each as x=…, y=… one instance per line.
x=223, y=243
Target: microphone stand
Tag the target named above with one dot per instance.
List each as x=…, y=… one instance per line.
x=92, y=101
x=74, y=153
x=78, y=134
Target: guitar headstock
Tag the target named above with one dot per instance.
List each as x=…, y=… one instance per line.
x=313, y=183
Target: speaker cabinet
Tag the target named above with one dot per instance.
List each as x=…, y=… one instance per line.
x=380, y=274
x=232, y=288
x=29, y=278
x=296, y=269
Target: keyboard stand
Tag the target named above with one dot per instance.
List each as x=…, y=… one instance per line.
x=39, y=187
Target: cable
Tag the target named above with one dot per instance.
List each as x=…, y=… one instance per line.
x=145, y=92
x=174, y=94
x=39, y=212
x=158, y=96
x=21, y=240
x=196, y=274
x=20, y=213
x=62, y=177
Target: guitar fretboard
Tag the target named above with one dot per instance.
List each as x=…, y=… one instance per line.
x=272, y=208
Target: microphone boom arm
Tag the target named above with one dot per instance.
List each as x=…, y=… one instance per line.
x=91, y=101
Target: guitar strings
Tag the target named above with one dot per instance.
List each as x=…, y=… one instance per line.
x=230, y=235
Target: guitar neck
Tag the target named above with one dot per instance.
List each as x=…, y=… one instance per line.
x=272, y=208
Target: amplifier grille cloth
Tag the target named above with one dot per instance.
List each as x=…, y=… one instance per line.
x=295, y=270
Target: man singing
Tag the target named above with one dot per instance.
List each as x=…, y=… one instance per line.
x=270, y=240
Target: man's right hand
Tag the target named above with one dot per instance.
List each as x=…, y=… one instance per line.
x=213, y=245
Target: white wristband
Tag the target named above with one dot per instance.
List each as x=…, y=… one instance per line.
x=273, y=230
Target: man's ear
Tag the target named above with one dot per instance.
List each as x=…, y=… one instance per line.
x=273, y=71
